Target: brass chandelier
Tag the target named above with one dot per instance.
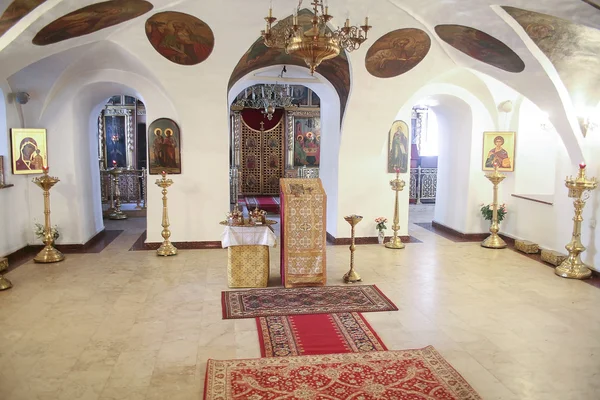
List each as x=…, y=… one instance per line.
x=315, y=44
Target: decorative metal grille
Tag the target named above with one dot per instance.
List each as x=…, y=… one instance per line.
x=132, y=184
x=414, y=176
x=423, y=184
x=428, y=183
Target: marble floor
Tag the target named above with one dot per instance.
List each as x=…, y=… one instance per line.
x=123, y=324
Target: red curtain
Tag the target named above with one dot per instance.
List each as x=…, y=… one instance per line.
x=253, y=117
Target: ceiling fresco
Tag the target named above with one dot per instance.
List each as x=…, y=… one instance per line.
x=336, y=70
x=481, y=46
x=90, y=19
x=15, y=11
x=397, y=52
x=572, y=48
x=180, y=38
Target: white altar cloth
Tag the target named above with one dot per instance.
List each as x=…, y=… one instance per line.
x=248, y=235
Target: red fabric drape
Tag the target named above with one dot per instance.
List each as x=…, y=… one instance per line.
x=253, y=117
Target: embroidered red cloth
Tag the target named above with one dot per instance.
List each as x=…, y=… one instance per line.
x=283, y=336
x=420, y=374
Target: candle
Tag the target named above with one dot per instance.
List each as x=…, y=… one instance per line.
x=397, y=170
x=347, y=23
x=582, y=165
x=115, y=163
x=270, y=12
x=326, y=10
x=45, y=169
x=366, y=21
x=164, y=173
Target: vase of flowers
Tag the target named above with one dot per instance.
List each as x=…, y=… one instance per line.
x=380, y=221
x=40, y=232
x=487, y=211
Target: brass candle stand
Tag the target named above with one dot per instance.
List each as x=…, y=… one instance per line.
x=352, y=276
x=494, y=241
x=4, y=283
x=116, y=172
x=49, y=254
x=579, y=190
x=397, y=186
x=166, y=248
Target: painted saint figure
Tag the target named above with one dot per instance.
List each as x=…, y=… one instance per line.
x=497, y=155
x=399, y=151
x=27, y=149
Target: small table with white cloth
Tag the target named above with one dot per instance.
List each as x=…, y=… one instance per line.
x=248, y=254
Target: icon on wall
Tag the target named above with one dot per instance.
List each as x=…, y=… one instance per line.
x=29, y=151
x=164, y=147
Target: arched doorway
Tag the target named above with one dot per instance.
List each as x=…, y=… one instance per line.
x=122, y=145
x=275, y=133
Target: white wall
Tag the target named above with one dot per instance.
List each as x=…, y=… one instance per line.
x=15, y=223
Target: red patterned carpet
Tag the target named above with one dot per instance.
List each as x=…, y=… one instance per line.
x=284, y=336
x=420, y=374
x=305, y=300
x=268, y=203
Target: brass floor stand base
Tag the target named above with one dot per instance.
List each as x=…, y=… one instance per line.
x=395, y=243
x=117, y=215
x=49, y=255
x=352, y=277
x=166, y=249
x=494, y=242
x=5, y=283
x=573, y=270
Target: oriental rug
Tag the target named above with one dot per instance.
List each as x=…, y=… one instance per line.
x=268, y=203
x=304, y=300
x=284, y=336
x=420, y=374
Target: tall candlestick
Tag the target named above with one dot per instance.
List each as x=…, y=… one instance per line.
x=352, y=276
x=494, y=241
x=397, y=186
x=48, y=254
x=166, y=248
x=579, y=191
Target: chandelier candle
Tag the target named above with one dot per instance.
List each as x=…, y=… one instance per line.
x=315, y=44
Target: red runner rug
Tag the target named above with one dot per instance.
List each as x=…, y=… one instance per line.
x=420, y=374
x=284, y=336
x=267, y=203
x=304, y=300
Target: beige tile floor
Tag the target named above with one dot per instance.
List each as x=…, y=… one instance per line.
x=130, y=325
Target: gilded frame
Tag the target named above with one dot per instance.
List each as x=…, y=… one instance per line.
x=291, y=116
x=29, y=151
x=502, y=153
x=127, y=114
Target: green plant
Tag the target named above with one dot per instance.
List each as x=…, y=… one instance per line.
x=487, y=211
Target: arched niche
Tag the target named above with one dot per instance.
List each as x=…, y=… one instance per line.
x=330, y=119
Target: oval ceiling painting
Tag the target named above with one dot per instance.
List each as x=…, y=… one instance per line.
x=397, y=52
x=15, y=11
x=180, y=38
x=481, y=46
x=91, y=19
